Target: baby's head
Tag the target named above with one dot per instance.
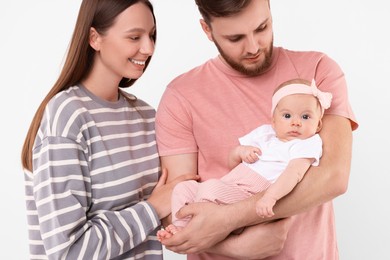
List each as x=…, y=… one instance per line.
x=297, y=109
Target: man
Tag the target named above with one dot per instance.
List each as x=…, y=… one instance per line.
x=203, y=113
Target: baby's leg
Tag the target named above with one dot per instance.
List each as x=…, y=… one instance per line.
x=183, y=193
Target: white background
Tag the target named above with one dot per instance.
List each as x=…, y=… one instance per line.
x=34, y=37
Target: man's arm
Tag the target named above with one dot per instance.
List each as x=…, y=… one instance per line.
x=255, y=242
x=177, y=165
x=180, y=164
x=212, y=223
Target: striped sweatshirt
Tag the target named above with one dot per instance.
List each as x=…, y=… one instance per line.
x=94, y=165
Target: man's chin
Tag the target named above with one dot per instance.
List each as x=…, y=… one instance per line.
x=253, y=70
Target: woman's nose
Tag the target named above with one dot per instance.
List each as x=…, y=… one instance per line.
x=147, y=47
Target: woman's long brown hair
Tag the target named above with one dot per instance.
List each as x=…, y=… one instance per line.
x=99, y=14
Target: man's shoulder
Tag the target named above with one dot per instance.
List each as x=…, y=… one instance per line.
x=301, y=55
x=306, y=62
x=194, y=75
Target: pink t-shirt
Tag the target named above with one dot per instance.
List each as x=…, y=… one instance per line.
x=208, y=108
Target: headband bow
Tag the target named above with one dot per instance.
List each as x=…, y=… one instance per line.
x=325, y=98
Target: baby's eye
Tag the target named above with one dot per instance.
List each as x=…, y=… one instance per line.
x=305, y=117
x=286, y=115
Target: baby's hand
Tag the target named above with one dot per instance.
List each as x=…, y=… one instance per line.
x=250, y=154
x=264, y=207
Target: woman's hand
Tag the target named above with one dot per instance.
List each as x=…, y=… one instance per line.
x=160, y=198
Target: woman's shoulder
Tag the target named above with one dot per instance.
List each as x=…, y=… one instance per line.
x=71, y=97
x=64, y=107
x=140, y=106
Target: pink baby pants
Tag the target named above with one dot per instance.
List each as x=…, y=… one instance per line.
x=240, y=183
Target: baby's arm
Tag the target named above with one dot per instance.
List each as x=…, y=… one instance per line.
x=289, y=178
x=246, y=153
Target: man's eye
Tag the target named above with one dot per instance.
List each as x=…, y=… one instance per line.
x=262, y=28
x=235, y=39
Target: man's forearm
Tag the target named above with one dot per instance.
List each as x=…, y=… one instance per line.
x=255, y=242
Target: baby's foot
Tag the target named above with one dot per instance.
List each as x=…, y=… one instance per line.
x=168, y=232
x=173, y=229
x=163, y=234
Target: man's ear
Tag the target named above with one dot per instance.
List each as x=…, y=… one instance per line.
x=206, y=28
x=94, y=39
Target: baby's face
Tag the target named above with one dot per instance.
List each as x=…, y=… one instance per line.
x=297, y=116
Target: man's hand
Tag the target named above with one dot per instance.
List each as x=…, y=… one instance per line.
x=209, y=225
x=256, y=242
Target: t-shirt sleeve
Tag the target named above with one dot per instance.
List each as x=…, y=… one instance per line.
x=174, y=129
x=258, y=136
x=308, y=148
x=330, y=78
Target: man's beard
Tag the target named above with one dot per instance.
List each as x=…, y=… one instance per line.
x=259, y=69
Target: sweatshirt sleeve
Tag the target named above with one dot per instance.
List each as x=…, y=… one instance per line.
x=62, y=190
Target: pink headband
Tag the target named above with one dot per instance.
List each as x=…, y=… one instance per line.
x=324, y=98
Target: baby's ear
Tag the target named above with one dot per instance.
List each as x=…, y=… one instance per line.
x=319, y=127
x=273, y=122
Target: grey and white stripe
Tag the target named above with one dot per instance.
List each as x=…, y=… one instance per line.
x=95, y=163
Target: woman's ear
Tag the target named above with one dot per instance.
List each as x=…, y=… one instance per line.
x=94, y=39
x=206, y=28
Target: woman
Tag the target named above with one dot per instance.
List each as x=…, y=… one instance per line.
x=90, y=156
